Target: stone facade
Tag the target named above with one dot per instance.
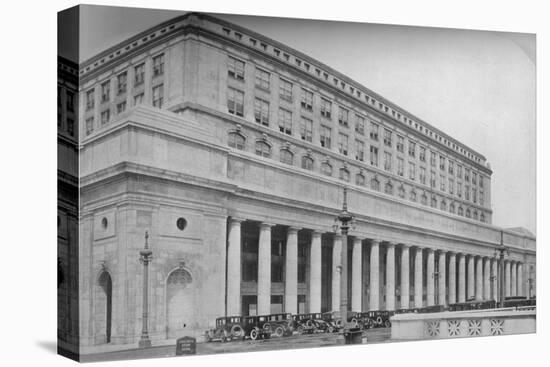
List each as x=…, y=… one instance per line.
x=240, y=207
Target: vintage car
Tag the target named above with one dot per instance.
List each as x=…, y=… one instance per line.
x=332, y=320
x=279, y=324
x=361, y=320
x=227, y=328
x=253, y=327
x=303, y=324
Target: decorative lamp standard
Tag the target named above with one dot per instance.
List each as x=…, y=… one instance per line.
x=145, y=257
x=343, y=222
x=499, y=253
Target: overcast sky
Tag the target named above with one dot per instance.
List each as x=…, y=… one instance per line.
x=478, y=87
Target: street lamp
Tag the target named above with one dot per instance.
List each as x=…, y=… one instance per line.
x=145, y=257
x=499, y=252
x=343, y=222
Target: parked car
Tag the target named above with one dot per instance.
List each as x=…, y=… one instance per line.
x=335, y=322
x=322, y=325
x=280, y=324
x=254, y=327
x=227, y=328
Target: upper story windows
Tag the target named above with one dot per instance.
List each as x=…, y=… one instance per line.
x=285, y=90
x=467, y=175
x=70, y=101
x=387, y=137
x=235, y=102
x=441, y=162
x=326, y=168
x=307, y=163
x=344, y=174
x=360, y=124
x=374, y=155
x=122, y=83
x=474, y=178
x=263, y=149
x=306, y=129
x=89, y=125
x=451, y=167
x=326, y=108
x=400, y=143
x=374, y=131
x=325, y=137
x=412, y=171
x=343, y=116
x=261, y=79
x=422, y=175
x=285, y=121
x=359, y=150
x=261, y=111
x=343, y=144
x=235, y=69
x=306, y=100
x=432, y=159
x=106, y=91
x=139, y=75
x=158, y=65
x=412, y=148
x=459, y=171
x=158, y=96
x=236, y=140
x=422, y=154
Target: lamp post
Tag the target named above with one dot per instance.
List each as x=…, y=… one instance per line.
x=145, y=257
x=499, y=251
x=343, y=221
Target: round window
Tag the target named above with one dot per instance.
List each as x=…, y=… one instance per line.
x=181, y=223
x=104, y=223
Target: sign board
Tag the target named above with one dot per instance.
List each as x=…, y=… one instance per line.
x=186, y=345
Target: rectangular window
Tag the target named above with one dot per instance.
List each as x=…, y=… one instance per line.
x=459, y=189
x=325, y=137
x=139, y=74
x=301, y=279
x=261, y=111
x=432, y=179
x=442, y=183
x=451, y=186
x=138, y=99
x=400, y=168
x=432, y=159
x=451, y=167
x=480, y=181
x=474, y=178
x=105, y=91
x=326, y=108
x=474, y=195
x=70, y=101
x=285, y=121
x=89, y=125
x=374, y=131
x=387, y=137
x=412, y=171
x=105, y=116
x=459, y=171
x=441, y=163
x=387, y=161
x=481, y=197
x=374, y=155
x=158, y=95
x=235, y=69
x=412, y=148
x=122, y=83
x=343, y=116
x=422, y=154
x=467, y=175
x=235, y=102
x=467, y=192
x=307, y=100
x=360, y=124
x=262, y=79
x=158, y=65
x=423, y=175
x=400, y=144
x=306, y=129
x=70, y=130
x=359, y=150
x=285, y=90
x=343, y=144
x=90, y=99
x=121, y=107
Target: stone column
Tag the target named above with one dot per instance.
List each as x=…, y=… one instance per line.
x=405, y=286
x=234, y=268
x=418, y=278
x=374, y=299
x=471, y=277
x=486, y=279
x=506, y=278
x=291, y=271
x=514, y=271
x=430, y=278
x=390, y=277
x=461, y=278
x=315, y=273
x=479, y=279
x=452, y=278
x=264, y=270
x=356, y=275
x=520, y=281
x=442, y=279
x=336, y=269
x=494, y=277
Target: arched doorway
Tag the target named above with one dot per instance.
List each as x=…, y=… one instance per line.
x=179, y=302
x=104, y=296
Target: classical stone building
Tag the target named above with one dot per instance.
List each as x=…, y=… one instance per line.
x=232, y=151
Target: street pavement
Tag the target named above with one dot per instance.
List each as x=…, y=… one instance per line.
x=380, y=335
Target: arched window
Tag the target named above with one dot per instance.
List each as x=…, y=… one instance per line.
x=443, y=205
x=344, y=174
x=401, y=191
x=434, y=202
x=180, y=303
x=326, y=169
x=452, y=208
x=468, y=213
x=375, y=184
x=236, y=140
x=460, y=211
x=287, y=156
x=482, y=217
x=360, y=179
x=412, y=195
x=307, y=163
x=388, y=188
x=424, y=199
x=263, y=149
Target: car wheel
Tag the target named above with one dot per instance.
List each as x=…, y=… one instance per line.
x=267, y=328
x=354, y=322
x=254, y=334
x=387, y=323
x=379, y=320
x=279, y=331
x=236, y=331
x=330, y=329
x=300, y=329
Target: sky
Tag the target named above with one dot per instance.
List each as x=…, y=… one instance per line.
x=477, y=86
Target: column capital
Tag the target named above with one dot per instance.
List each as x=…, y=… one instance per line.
x=316, y=232
x=430, y=250
x=441, y=251
x=265, y=225
x=452, y=253
x=358, y=239
x=293, y=229
x=235, y=220
x=390, y=244
x=404, y=245
x=375, y=241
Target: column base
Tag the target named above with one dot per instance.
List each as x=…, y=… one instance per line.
x=144, y=342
